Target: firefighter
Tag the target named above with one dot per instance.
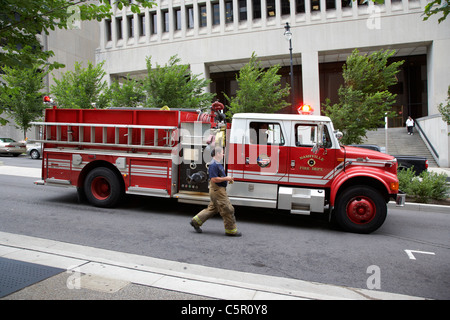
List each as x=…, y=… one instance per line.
x=219, y=199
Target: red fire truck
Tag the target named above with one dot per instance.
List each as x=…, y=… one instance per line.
x=286, y=162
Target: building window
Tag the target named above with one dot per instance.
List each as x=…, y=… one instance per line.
x=242, y=10
x=228, y=11
x=285, y=7
x=119, y=28
x=270, y=8
x=108, y=30
x=315, y=5
x=216, y=13
x=330, y=4
x=202, y=11
x=141, y=22
x=177, y=16
x=130, y=22
x=300, y=6
x=346, y=3
x=256, y=9
x=165, y=17
x=153, y=23
x=190, y=17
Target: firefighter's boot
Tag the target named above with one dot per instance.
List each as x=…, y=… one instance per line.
x=196, y=226
x=233, y=234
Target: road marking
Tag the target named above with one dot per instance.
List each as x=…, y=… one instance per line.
x=20, y=171
x=412, y=257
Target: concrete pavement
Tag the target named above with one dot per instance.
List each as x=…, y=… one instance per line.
x=94, y=273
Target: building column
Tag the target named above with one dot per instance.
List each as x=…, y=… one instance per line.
x=202, y=70
x=278, y=12
x=263, y=13
x=310, y=80
x=249, y=14
x=293, y=13
x=438, y=80
x=222, y=16
x=438, y=77
x=196, y=18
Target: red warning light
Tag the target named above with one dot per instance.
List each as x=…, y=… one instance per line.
x=47, y=99
x=305, y=109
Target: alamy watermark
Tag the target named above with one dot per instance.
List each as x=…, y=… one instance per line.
x=374, y=20
x=374, y=280
x=74, y=21
x=74, y=280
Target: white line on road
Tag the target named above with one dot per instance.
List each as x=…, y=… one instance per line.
x=412, y=257
x=20, y=171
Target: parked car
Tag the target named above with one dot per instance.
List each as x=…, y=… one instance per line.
x=404, y=162
x=34, y=150
x=12, y=147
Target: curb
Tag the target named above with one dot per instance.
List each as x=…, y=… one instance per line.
x=421, y=207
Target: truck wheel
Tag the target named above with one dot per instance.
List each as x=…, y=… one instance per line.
x=360, y=209
x=103, y=188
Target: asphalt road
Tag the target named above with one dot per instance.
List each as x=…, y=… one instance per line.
x=299, y=247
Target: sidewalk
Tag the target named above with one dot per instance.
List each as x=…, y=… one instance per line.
x=439, y=170
x=92, y=273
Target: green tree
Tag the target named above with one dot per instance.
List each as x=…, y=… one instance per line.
x=128, y=94
x=259, y=90
x=436, y=7
x=20, y=95
x=175, y=86
x=82, y=88
x=22, y=21
x=364, y=99
x=444, y=109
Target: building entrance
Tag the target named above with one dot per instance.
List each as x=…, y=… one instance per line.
x=411, y=89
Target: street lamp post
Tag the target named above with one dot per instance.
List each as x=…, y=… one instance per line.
x=288, y=36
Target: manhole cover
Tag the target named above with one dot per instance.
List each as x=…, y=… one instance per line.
x=16, y=275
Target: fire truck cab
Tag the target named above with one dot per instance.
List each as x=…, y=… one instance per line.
x=286, y=162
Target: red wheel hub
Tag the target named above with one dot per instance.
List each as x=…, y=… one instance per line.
x=100, y=188
x=361, y=210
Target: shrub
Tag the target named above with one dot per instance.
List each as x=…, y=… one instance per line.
x=426, y=186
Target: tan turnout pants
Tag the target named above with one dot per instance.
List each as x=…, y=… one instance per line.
x=219, y=204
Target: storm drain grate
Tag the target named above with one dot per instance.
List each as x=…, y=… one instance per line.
x=16, y=275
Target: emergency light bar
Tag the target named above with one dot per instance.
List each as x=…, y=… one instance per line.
x=305, y=109
x=48, y=100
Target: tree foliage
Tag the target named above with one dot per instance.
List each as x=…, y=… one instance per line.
x=364, y=99
x=20, y=95
x=444, y=109
x=82, y=88
x=175, y=86
x=128, y=94
x=21, y=23
x=259, y=90
x=436, y=7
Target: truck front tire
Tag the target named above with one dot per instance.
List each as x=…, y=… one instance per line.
x=360, y=209
x=103, y=188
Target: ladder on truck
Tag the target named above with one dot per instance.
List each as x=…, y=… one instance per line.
x=44, y=132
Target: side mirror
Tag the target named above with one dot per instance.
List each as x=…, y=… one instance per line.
x=319, y=139
x=315, y=148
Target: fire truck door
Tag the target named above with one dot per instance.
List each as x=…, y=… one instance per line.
x=265, y=152
x=312, y=161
